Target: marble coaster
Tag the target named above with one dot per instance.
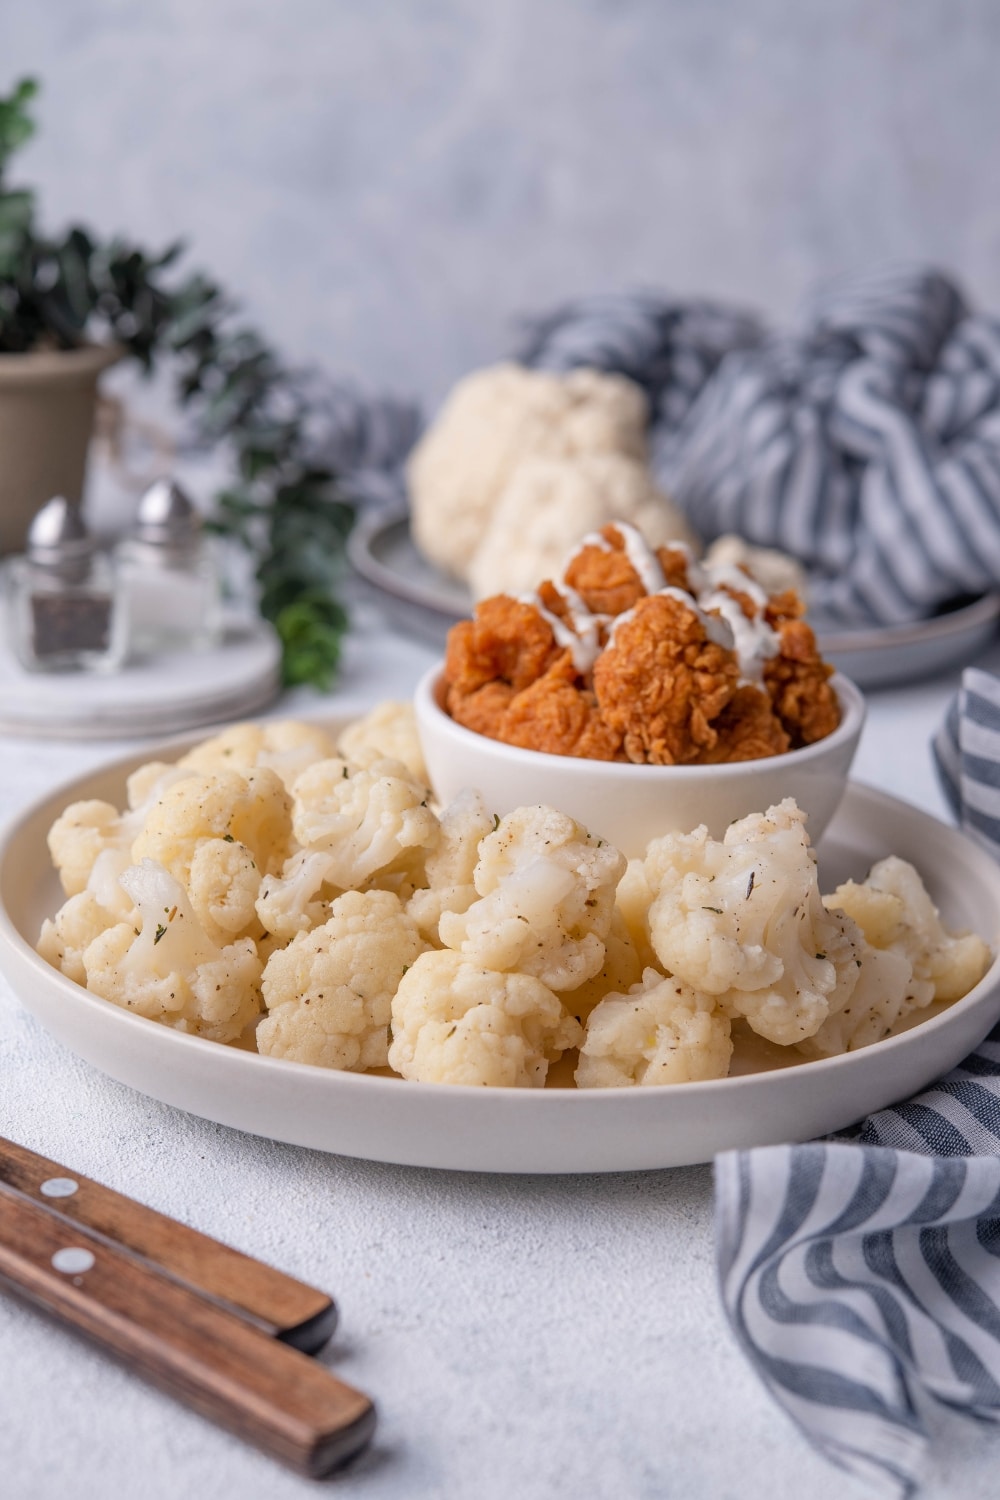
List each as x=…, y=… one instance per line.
x=157, y=694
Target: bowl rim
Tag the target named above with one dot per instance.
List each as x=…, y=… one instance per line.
x=427, y=707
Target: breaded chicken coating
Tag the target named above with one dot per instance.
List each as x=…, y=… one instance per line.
x=557, y=716
x=797, y=680
x=747, y=729
x=661, y=682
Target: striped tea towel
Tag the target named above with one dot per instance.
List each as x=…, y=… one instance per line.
x=866, y=443
x=863, y=1279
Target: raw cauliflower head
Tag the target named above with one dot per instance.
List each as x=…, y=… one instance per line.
x=910, y=961
x=329, y=993
x=369, y=820
x=285, y=746
x=550, y=503
x=388, y=732
x=165, y=967
x=450, y=869
x=659, y=1032
x=252, y=809
x=492, y=421
x=742, y=919
x=455, y=1022
x=547, y=893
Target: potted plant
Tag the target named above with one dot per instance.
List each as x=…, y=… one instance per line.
x=71, y=305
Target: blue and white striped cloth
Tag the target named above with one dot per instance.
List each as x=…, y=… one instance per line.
x=867, y=443
x=862, y=1278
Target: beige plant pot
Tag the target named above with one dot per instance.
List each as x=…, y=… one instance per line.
x=47, y=405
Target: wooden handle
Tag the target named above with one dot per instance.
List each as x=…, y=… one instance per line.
x=263, y=1390
x=277, y=1304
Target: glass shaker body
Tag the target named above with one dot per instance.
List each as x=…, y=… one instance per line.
x=173, y=595
x=65, y=619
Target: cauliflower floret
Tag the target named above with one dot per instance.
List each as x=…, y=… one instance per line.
x=223, y=884
x=549, y=503
x=170, y=971
x=299, y=898
x=285, y=746
x=893, y=909
x=912, y=959
x=74, y=927
x=79, y=835
x=776, y=572
x=547, y=893
x=388, y=732
x=252, y=809
x=633, y=899
x=743, y=920
x=621, y=969
x=329, y=993
x=659, y=1032
x=493, y=420
x=146, y=784
x=454, y=1022
x=370, y=820
x=451, y=867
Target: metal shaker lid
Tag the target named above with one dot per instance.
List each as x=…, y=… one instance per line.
x=58, y=538
x=165, y=517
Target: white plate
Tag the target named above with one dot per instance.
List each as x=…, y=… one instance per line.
x=513, y=1130
x=423, y=600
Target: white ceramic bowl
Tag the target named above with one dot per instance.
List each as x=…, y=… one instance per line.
x=629, y=805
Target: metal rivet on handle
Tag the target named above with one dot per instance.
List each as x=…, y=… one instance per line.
x=73, y=1260
x=59, y=1187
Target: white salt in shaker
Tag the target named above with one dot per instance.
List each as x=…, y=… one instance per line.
x=170, y=575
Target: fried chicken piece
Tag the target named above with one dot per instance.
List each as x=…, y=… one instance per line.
x=483, y=709
x=674, y=562
x=660, y=682
x=507, y=640
x=747, y=729
x=797, y=680
x=606, y=581
x=559, y=717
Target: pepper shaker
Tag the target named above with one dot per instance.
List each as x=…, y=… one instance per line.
x=63, y=605
x=170, y=575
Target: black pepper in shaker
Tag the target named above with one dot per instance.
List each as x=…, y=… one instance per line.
x=62, y=601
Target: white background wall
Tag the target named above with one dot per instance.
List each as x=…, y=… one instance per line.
x=389, y=185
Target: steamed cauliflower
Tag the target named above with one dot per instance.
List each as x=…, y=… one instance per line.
x=285, y=746
x=659, y=1032
x=165, y=967
x=622, y=968
x=743, y=920
x=549, y=503
x=546, y=897
x=252, y=809
x=299, y=898
x=369, y=820
x=65, y=937
x=492, y=421
x=79, y=835
x=911, y=959
x=388, y=732
x=455, y=1022
x=328, y=994
x=450, y=869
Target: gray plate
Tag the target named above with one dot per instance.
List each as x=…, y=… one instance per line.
x=427, y=603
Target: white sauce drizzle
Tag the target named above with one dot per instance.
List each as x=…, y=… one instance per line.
x=642, y=557
x=719, y=614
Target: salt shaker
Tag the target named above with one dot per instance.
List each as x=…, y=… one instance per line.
x=170, y=575
x=63, y=603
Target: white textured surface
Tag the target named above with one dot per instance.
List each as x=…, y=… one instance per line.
x=390, y=186
x=522, y=1336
